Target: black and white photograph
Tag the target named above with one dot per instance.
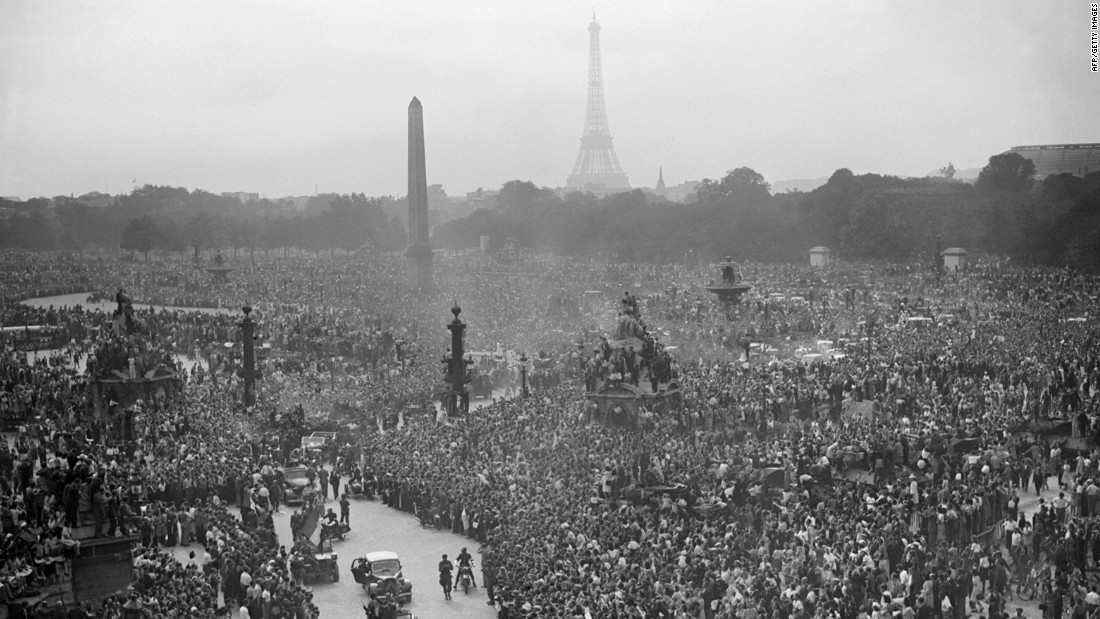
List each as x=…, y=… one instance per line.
x=498, y=309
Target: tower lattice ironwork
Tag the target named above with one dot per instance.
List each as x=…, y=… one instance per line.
x=597, y=167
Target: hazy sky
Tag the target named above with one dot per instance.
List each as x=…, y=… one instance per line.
x=280, y=97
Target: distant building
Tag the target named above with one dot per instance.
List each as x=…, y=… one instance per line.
x=482, y=199
x=299, y=202
x=244, y=196
x=97, y=199
x=660, y=188
x=805, y=185
x=1076, y=159
x=954, y=258
x=680, y=193
x=820, y=257
x=437, y=198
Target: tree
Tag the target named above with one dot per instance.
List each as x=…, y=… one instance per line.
x=521, y=196
x=1066, y=186
x=874, y=229
x=26, y=231
x=172, y=238
x=738, y=188
x=1007, y=173
x=210, y=230
x=74, y=223
x=140, y=234
x=949, y=171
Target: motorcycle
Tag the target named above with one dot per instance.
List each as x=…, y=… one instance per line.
x=334, y=531
x=358, y=490
x=426, y=516
x=465, y=578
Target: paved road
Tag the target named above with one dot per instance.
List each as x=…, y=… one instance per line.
x=1029, y=504
x=377, y=527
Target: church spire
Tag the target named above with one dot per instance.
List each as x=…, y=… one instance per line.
x=660, y=189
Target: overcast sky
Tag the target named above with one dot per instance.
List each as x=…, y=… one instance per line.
x=282, y=97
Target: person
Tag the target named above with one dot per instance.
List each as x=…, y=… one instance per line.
x=334, y=481
x=323, y=476
x=297, y=568
x=465, y=562
x=1092, y=601
x=330, y=526
x=345, y=509
x=295, y=523
x=445, y=569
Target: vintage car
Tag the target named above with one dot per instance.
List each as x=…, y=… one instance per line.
x=314, y=445
x=296, y=486
x=380, y=574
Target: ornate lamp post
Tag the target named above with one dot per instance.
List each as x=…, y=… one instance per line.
x=457, y=399
x=248, y=370
x=523, y=375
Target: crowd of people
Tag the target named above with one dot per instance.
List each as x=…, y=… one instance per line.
x=886, y=478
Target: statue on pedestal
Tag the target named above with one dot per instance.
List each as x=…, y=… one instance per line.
x=124, y=314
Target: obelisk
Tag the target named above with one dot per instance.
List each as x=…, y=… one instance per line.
x=418, y=256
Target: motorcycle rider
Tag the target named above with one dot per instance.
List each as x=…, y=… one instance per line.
x=355, y=484
x=330, y=525
x=465, y=564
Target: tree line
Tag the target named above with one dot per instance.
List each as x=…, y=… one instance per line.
x=173, y=219
x=866, y=217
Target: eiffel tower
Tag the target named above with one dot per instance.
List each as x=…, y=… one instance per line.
x=597, y=168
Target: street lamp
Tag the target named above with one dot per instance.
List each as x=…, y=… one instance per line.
x=458, y=399
x=523, y=375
